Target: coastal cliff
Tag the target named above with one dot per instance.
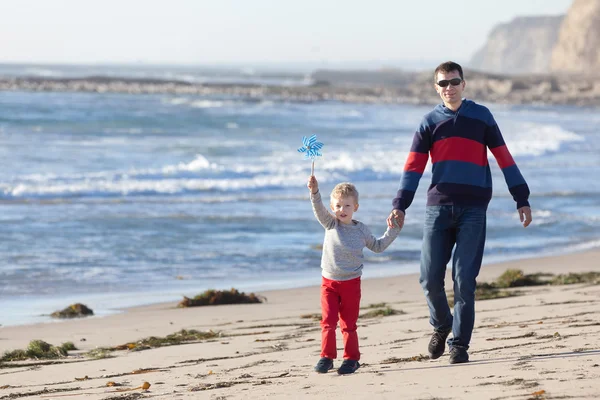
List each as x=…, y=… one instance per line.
x=562, y=45
x=523, y=45
x=578, y=46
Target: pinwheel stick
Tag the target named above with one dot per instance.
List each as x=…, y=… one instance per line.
x=312, y=168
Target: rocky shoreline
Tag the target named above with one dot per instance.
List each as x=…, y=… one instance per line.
x=390, y=87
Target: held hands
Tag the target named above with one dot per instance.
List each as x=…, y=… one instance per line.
x=396, y=216
x=525, y=216
x=313, y=185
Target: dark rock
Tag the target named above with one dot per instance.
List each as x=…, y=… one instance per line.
x=77, y=310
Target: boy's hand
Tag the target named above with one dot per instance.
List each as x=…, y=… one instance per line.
x=313, y=185
x=396, y=217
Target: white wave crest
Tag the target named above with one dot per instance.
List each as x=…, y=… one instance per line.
x=536, y=139
x=208, y=104
x=199, y=163
x=127, y=187
x=176, y=100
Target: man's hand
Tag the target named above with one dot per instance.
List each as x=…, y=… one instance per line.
x=313, y=185
x=398, y=216
x=525, y=216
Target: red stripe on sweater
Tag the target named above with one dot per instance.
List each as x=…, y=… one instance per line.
x=416, y=162
x=459, y=149
x=503, y=156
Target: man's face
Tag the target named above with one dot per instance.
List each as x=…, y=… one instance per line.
x=451, y=95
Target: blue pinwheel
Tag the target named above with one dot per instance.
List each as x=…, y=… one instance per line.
x=311, y=149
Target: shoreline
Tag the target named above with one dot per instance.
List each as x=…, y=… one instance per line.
x=103, y=307
x=489, y=271
x=543, y=341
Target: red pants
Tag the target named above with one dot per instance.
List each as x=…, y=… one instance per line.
x=340, y=298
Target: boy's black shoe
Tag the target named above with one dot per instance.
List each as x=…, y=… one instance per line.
x=458, y=355
x=324, y=365
x=348, y=367
x=437, y=343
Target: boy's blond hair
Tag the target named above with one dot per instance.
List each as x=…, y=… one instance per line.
x=344, y=189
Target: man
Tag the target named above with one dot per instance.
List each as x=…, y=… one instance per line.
x=457, y=135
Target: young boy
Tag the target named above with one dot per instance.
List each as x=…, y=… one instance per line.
x=341, y=264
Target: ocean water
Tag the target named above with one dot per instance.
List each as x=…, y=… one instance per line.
x=117, y=200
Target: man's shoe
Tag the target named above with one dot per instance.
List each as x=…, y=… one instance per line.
x=458, y=355
x=348, y=367
x=437, y=343
x=324, y=365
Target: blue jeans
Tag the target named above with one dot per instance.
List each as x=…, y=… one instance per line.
x=461, y=228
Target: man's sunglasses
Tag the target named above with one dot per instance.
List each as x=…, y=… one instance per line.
x=446, y=82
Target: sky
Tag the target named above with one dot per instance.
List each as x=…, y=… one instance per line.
x=255, y=32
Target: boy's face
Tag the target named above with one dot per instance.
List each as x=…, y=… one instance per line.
x=344, y=207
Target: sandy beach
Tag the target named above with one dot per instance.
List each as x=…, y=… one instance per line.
x=542, y=344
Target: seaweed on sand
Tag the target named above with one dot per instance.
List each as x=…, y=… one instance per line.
x=177, y=338
x=516, y=278
x=39, y=350
x=381, y=312
x=513, y=278
x=214, y=297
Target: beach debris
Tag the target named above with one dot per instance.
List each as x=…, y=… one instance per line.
x=214, y=297
x=182, y=336
x=38, y=349
x=517, y=278
x=99, y=353
x=572, y=278
x=314, y=317
x=144, y=371
x=538, y=395
x=45, y=391
x=76, y=310
x=375, y=305
x=310, y=148
x=85, y=378
x=526, y=384
x=394, y=360
x=381, y=312
x=513, y=278
x=217, y=385
x=144, y=386
x=134, y=372
x=279, y=346
x=129, y=396
x=527, y=335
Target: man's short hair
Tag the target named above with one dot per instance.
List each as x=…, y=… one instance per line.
x=344, y=189
x=447, y=67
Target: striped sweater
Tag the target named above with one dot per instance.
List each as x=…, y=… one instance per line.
x=458, y=143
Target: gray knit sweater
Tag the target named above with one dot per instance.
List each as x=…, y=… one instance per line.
x=343, y=245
